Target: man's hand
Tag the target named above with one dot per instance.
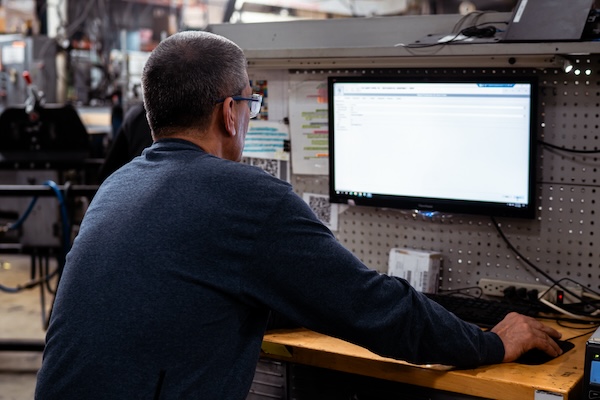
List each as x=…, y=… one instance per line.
x=520, y=334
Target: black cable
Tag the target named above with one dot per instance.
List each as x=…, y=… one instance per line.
x=51, y=290
x=578, y=336
x=425, y=45
x=585, y=288
x=593, y=324
x=461, y=292
x=455, y=30
x=535, y=267
x=42, y=294
x=476, y=30
x=475, y=15
x=555, y=283
x=576, y=151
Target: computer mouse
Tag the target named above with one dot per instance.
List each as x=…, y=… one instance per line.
x=537, y=357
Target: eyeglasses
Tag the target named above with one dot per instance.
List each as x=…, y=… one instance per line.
x=254, y=103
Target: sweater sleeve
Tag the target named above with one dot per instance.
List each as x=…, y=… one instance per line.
x=305, y=274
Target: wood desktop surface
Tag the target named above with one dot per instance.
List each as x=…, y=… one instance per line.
x=511, y=381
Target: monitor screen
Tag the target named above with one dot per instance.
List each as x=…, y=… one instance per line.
x=595, y=372
x=436, y=144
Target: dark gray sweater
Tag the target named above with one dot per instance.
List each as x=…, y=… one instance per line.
x=181, y=254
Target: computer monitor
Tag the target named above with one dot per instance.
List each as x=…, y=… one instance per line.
x=434, y=144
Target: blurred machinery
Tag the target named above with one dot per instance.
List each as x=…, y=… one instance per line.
x=44, y=164
x=40, y=141
x=38, y=144
x=35, y=54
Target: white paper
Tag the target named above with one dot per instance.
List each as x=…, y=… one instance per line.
x=309, y=129
x=266, y=139
x=325, y=211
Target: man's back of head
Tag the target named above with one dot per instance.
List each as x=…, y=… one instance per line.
x=185, y=77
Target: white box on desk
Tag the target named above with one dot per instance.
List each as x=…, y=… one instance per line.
x=420, y=268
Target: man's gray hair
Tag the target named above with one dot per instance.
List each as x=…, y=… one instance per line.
x=186, y=75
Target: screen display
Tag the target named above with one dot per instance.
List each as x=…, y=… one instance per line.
x=595, y=372
x=449, y=145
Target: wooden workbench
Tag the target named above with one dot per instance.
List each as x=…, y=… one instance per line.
x=511, y=381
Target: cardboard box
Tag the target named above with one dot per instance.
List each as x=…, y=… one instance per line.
x=420, y=268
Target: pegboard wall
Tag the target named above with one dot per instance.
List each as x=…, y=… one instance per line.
x=562, y=239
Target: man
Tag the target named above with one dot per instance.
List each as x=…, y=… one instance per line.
x=183, y=251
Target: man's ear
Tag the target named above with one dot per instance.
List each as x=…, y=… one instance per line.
x=229, y=116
